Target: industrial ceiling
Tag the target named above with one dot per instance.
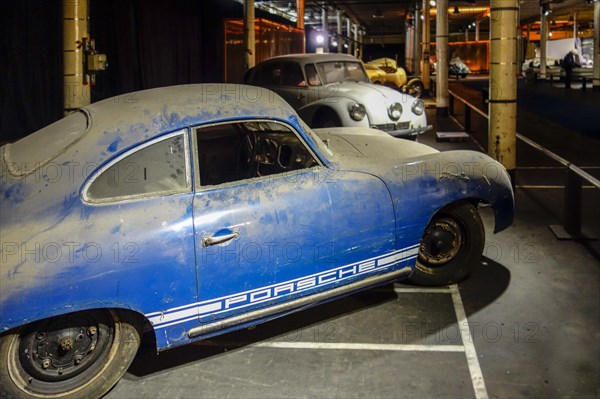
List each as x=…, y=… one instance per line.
x=388, y=17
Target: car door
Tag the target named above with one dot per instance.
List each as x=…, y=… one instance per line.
x=293, y=86
x=363, y=220
x=262, y=217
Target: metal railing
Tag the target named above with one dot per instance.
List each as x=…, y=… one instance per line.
x=573, y=199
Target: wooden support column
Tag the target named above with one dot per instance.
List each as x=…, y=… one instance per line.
x=597, y=46
x=441, y=54
x=300, y=21
x=75, y=32
x=425, y=67
x=502, y=128
x=249, y=40
x=543, y=44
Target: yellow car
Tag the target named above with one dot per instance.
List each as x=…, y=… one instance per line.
x=376, y=74
x=395, y=76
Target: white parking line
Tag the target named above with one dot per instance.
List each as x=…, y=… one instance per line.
x=461, y=318
x=463, y=325
x=361, y=346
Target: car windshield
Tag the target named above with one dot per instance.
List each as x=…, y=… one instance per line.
x=340, y=71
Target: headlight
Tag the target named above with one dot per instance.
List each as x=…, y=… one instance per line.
x=395, y=111
x=418, y=107
x=358, y=112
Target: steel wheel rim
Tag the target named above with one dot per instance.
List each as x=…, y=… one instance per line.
x=441, y=243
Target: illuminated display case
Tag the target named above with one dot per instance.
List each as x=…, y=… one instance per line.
x=271, y=39
x=476, y=55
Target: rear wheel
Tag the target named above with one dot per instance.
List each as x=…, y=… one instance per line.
x=74, y=356
x=451, y=246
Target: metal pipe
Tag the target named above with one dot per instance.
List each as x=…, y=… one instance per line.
x=417, y=37
x=477, y=23
x=355, y=27
x=349, y=35
x=425, y=67
x=596, y=46
x=409, y=48
x=574, y=27
x=502, y=125
x=249, y=40
x=441, y=53
x=75, y=30
x=543, y=43
x=338, y=23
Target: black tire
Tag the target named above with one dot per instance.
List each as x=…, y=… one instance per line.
x=451, y=246
x=415, y=89
x=326, y=118
x=80, y=355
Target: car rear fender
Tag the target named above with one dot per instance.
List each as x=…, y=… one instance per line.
x=423, y=186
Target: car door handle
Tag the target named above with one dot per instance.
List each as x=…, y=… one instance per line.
x=301, y=96
x=210, y=240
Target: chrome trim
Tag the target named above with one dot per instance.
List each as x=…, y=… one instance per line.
x=297, y=303
x=414, y=131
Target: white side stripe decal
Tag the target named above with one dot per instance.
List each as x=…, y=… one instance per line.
x=244, y=299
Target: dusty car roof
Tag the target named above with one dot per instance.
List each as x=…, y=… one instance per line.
x=173, y=107
x=120, y=122
x=309, y=58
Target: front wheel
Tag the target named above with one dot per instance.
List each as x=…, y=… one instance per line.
x=81, y=355
x=451, y=246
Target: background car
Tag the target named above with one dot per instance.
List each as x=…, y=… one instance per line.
x=192, y=211
x=458, y=68
x=396, y=77
x=375, y=74
x=330, y=90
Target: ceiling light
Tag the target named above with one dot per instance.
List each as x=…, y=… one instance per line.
x=432, y=3
x=456, y=10
x=546, y=10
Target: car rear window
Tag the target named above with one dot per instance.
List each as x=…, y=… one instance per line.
x=34, y=151
x=157, y=168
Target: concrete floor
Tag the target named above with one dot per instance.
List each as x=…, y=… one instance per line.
x=524, y=325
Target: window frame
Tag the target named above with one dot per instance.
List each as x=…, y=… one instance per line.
x=198, y=187
x=184, y=133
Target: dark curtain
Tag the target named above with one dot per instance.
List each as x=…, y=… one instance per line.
x=153, y=43
x=31, y=87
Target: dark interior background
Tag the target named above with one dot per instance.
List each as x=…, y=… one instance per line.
x=148, y=43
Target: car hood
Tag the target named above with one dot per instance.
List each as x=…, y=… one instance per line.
x=370, y=93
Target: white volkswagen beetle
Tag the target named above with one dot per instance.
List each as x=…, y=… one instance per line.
x=329, y=90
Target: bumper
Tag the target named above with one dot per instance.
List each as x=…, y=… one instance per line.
x=410, y=133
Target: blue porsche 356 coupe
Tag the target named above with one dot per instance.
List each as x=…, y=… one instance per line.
x=195, y=210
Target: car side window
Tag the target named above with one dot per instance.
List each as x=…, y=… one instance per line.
x=159, y=168
x=269, y=75
x=292, y=75
x=231, y=152
x=311, y=75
